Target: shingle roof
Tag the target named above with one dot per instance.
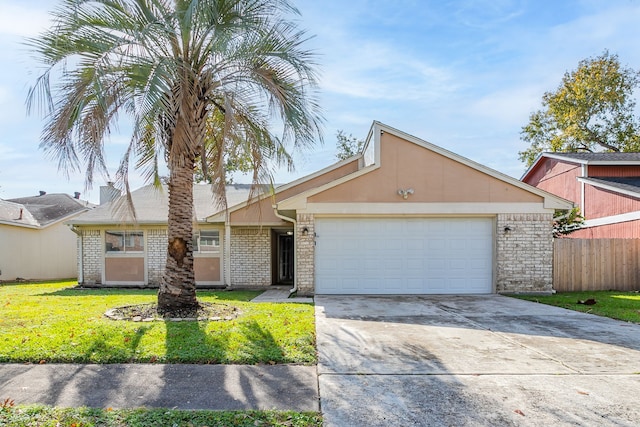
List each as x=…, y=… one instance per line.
x=152, y=207
x=630, y=184
x=39, y=211
x=605, y=157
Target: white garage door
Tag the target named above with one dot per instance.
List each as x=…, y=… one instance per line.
x=404, y=255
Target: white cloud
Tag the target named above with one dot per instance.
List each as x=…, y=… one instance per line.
x=376, y=71
x=613, y=27
x=510, y=107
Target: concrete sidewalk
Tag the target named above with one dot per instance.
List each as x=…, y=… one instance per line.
x=280, y=295
x=216, y=387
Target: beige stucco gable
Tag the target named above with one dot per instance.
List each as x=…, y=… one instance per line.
x=434, y=178
x=442, y=182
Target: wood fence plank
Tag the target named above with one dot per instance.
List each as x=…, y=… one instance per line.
x=596, y=264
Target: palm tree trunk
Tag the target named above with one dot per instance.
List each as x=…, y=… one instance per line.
x=177, y=288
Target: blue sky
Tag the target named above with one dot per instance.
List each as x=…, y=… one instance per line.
x=462, y=74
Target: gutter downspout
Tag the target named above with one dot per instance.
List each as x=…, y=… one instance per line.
x=295, y=246
x=585, y=174
x=227, y=250
x=80, y=254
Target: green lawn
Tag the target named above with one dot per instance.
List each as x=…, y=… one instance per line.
x=52, y=323
x=613, y=304
x=85, y=417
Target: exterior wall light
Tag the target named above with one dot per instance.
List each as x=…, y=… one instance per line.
x=507, y=229
x=405, y=193
x=305, y=231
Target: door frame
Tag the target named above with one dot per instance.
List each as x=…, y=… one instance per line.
x=279, y=251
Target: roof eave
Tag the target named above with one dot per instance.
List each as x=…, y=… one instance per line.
x=613, y=188
x=569, y=159
x=124, y=223
x=17, y=224
x=613, y=162
x=216, y=217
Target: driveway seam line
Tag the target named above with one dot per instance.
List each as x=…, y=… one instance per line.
x=507, y=338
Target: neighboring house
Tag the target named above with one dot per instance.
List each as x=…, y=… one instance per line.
x=606, y=187
x=35, y=243
x=403, y=217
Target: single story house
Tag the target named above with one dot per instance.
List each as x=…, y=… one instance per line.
x=402, y=217
x=35, y=243
x=605, y=186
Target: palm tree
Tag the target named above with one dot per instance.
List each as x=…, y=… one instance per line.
x=180, y=69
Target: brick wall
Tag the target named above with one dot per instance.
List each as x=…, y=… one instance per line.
x=92, y=253
x=156, y=254
x=305, y=254
x=524, y=254
x=250, y=256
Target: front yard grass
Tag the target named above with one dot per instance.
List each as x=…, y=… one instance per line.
x=614, y=304
x=74, y=417
x=53, y=323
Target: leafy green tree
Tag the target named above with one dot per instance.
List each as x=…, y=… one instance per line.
x=348, y=146
x=592, y=110
x=175, y=66
x=236, y=156
x=566, y=221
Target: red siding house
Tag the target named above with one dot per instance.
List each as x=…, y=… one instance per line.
x=606, y=187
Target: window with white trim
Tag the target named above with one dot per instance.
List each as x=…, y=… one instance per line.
x=206, y=241
x=124, y=241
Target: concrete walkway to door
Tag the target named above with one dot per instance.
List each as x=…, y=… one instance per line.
x=473, y=360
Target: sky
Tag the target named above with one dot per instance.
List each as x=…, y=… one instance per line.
x=461, y=74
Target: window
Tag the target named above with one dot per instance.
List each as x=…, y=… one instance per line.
x=124, y=241
x=206, y=241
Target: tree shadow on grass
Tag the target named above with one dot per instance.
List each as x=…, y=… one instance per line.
x=101, y=349
x=34, y=282
x=188, y=341
x=260, y=343
x=219, y=295
x=240, y=342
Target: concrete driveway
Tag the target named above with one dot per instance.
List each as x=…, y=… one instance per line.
x=473, y=360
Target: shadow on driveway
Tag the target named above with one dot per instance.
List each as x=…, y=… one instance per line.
x=481, y=360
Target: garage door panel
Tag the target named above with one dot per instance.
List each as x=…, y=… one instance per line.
x=414, y=285
x=415, y=245
x=404, y=255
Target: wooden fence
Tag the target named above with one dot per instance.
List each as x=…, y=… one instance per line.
x=596, y=264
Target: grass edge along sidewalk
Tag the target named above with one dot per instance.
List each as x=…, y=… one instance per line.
x=24, y=416
x=52, y=322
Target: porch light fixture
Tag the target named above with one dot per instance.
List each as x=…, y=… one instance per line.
x=507, y=229
x=405, y=193
x=305, y=231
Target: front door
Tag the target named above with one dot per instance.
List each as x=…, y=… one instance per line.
x=285, y=258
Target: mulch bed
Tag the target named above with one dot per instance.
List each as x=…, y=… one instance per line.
x=149, y=313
